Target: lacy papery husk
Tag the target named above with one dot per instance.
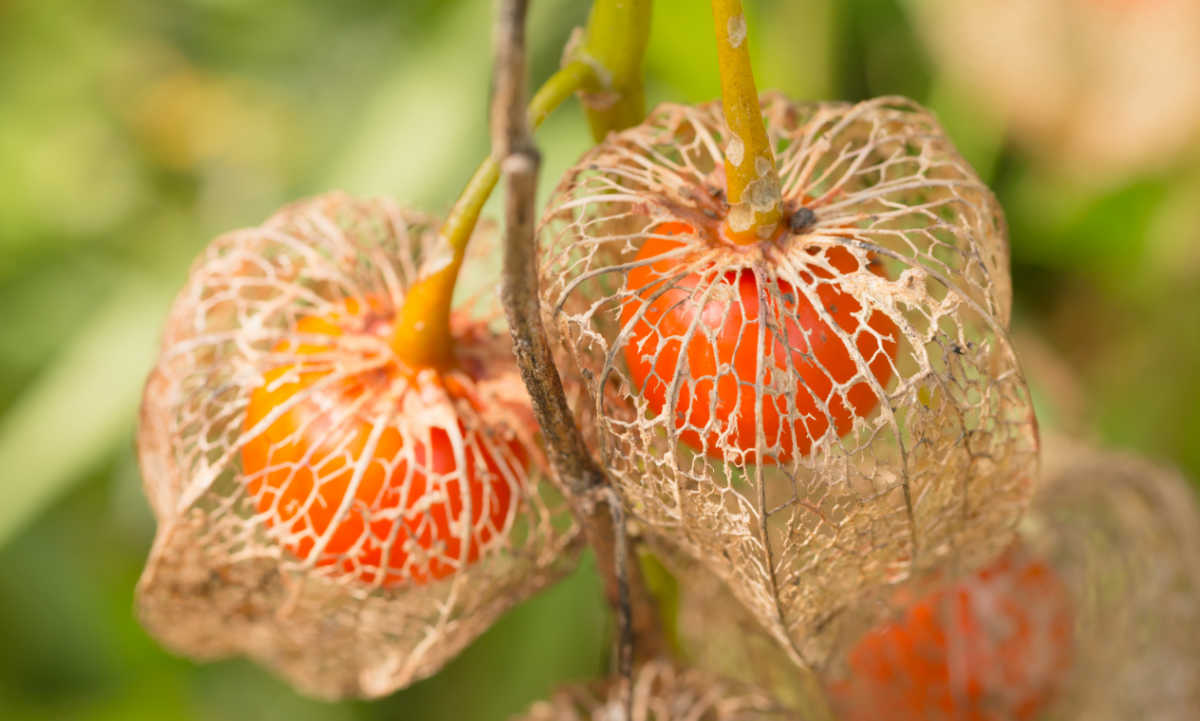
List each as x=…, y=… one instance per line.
x=994, y=645
x=1124, y=534
x=1122, y=538
x=662, y=691
x=239, y=565
x=715, y=633
x=898, y=249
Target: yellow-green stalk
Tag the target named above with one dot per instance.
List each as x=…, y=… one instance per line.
x=752, y=180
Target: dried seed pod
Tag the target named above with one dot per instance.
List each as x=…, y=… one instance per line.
x=715, y=633
x=1122, y=94
x=993, y=646
x=815, y=415
x=1124, y=534
x=1094, y=615
x=348, y=521
x=661, y=692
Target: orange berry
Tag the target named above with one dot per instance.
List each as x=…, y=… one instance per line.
x=714, y=408
x=380, y=500
x=993, y=647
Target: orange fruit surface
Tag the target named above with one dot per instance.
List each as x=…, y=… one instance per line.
x=711, y=338
x=349, y=484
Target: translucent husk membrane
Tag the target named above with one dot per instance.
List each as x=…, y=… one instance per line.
x=904, y=441
x=1109, y=631
x=716, y=633
x=994, y=645
x=1094, y=615
x=316, y=532
x=662, y=692
x=1124, y=535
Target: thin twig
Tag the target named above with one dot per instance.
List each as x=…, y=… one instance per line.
x=512, y=143
x=621, y=572
x=593, y=499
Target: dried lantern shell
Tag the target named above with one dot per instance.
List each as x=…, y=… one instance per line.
x=715, y=633
x=1106, y=565
x=661, y=692
x=1094, y=615
x=996, y=645
x=1124, y=534
x=344, y=521
x=891, y=428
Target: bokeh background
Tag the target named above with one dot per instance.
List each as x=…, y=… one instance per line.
x=132, y=131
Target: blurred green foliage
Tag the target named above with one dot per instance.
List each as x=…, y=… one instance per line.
x=133, y=131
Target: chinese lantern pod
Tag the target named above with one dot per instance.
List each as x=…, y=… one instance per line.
x=1092, y=614
x=322, y=509
x=1101, y=87
x=815, y=415
x=948, y=645
x=1124, y=534
x=995, y=645
x=716, y=634
x=661, y=692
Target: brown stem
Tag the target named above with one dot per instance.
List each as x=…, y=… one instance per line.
x=593, y=499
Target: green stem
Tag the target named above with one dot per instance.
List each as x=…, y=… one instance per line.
x=462, y=219
x=751, y=177
x=614, y=44
x=421, y=336
x=607, y=67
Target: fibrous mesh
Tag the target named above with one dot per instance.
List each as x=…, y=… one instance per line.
x=861, y=418
x=344, y=521
x=1094, y=613
x=715, y=633
x=995, y=645
x=1124, y=534
x=661, y=692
